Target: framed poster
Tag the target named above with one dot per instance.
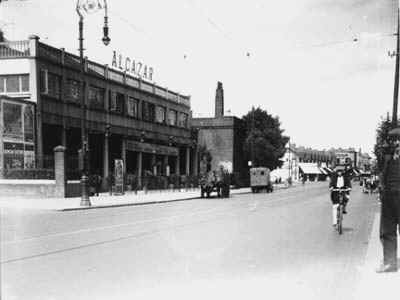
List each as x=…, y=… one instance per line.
x=119, y=176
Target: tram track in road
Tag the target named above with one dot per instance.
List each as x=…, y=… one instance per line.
x=244, y=203
x=153, y=226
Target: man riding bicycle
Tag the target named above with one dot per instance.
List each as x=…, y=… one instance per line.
x=339, y=180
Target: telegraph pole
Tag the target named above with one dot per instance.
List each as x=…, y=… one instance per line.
x=396, y=76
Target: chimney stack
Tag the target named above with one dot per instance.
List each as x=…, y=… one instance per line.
x=219, y=101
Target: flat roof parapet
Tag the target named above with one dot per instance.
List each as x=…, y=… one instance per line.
x=21, y=49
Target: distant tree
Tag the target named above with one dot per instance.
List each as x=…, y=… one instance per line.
x=381, y=139
x=265, y=143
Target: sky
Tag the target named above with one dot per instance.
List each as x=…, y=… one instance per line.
x=297, y=59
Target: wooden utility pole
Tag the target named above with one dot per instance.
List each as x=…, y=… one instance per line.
x=396, y=76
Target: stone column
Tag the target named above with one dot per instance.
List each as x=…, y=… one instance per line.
x=195, y=162
x=177, y=165
x=187, y=162
x=106, y=165
x=64, y=136
x=59, y=171
x=139, y=168
x=165, y=164
x=153, y=164
x=123, y=154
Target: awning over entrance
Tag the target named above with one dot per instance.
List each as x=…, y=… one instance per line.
x=309, y=168
x=323, y=171
x=151, y=148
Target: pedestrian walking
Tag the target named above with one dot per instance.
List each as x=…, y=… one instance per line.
x=390, y=208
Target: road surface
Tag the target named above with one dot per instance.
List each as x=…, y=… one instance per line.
x=254, y=246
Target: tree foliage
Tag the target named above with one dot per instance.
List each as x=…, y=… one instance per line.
x=264, y=143
x=382, y=138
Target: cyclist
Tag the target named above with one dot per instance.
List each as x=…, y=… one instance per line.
x=339, y=180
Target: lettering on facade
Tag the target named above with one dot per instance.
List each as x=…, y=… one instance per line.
x=151, y=148
x=132, y=66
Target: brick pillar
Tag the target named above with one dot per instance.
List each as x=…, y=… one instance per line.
x=59, y=171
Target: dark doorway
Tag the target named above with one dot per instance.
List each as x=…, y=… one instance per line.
x=96, y=149
x=131, y=162
x=52, y=137
x=115, y=147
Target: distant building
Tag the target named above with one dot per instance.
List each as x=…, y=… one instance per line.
x=289, y=168
x=222, y=136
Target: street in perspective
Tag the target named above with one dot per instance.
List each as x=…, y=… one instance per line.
x=192, y=149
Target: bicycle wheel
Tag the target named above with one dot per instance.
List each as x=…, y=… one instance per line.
x=340, y=219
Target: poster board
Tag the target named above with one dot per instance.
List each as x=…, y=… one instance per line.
x=119, y=176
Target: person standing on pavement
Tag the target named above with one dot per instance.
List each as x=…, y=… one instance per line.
x=390, y=208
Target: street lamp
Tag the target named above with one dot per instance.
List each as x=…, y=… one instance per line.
x=87, y=6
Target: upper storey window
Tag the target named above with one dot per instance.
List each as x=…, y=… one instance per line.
x=14, y=83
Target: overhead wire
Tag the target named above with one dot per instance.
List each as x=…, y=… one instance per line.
x=218, y=27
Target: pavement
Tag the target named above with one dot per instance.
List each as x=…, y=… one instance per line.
x=105, y=200
x=371, y=284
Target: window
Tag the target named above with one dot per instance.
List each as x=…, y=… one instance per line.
x=117, y=102
x=132, y=107
x=24, y=83
x=43, y=82
x=145, y=111
x=96, y=97
x=120, y=103
x=73, y=90
x=183, y=118
x=29, y=123
x=12, y=119
x=50, y=84
x=14, y=83
x=53, y=84
x=172, y=117
x=160, y=114
x=148, y=111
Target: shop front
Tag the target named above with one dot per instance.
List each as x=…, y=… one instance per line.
x=17, y=138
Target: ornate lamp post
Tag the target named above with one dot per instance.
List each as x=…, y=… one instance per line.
x=82, y=7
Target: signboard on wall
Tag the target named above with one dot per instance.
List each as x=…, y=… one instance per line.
x=119, y=176
x=132, y=66
x=151, y=148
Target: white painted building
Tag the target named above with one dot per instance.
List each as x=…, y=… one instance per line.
x=289, y=168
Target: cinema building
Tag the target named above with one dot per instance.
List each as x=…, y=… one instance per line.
x=145, y=125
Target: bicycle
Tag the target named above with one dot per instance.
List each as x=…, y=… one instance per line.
x=339, y=218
